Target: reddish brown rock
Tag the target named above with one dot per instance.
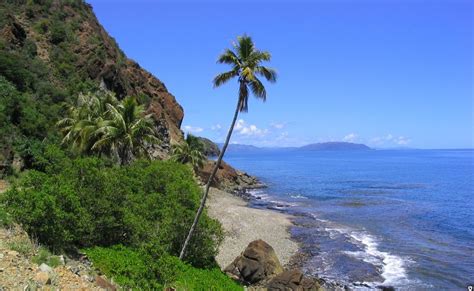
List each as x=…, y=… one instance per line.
x=227, y=178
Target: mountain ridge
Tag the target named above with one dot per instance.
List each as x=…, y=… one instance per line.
x=323, y=146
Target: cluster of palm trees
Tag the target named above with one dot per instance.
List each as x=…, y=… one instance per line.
x=100, y=124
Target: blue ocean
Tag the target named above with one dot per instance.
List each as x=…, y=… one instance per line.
x=401, y=218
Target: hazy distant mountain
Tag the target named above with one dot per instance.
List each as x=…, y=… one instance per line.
x=324, y=146
x=241, y=148
x=335, y=146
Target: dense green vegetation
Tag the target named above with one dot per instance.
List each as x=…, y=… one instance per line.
x=130, y=219
x=88, y=201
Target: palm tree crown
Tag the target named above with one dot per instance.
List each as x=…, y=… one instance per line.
x=126, y=131
x=246, y=61
x=99, y=123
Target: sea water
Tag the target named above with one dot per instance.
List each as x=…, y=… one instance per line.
x=402, y=218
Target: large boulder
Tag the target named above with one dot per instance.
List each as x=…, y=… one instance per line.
x=292, y=280
x=257, y=263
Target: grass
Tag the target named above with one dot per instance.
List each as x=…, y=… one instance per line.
x=45, y=256
x=22, y=245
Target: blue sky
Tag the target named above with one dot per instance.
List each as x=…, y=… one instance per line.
x=385, y=73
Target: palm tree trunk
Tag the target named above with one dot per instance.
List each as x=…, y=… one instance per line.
x=208, y=185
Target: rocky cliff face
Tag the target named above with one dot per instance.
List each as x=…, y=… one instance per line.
x=228, y=178
x=55, y=49
x=125, y=77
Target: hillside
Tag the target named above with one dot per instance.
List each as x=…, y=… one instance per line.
x=52, y=50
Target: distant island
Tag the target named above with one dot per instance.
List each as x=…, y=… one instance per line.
x=323, y=146
x=335, y=146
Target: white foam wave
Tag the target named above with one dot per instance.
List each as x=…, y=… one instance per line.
x=259, y=194
x=298, y=196
x=393, y=267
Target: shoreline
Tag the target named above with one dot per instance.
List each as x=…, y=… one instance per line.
x=243, y=224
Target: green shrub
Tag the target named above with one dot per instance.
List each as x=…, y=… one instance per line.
x=177, y=274
x=128, y=268
x=14, y=68
x=45, y=256
x=131, y=268
x=42, y=26
x=58, y=32
x=86, y=202
x=5, y=219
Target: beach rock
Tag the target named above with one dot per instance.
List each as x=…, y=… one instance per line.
x=292, y=280
x=258, y=262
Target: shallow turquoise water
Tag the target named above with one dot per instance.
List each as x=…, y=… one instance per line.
x=402, y=218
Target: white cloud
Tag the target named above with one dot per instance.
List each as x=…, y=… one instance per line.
x=216, y=127
x=390, y=140
x=192, y=129
x=242, y=128
x=278, y=125
x=401, y=140
x=351, y=137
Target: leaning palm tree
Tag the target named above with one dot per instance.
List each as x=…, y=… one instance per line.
x=245, y=60
x=126, y=131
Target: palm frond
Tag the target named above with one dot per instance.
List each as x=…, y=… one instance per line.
x=228, y=57
x=224, y=77
x=268, y=73
x=258, y=89
x=244, y=47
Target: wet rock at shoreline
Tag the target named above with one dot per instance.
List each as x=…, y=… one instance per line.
x=293, y=280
